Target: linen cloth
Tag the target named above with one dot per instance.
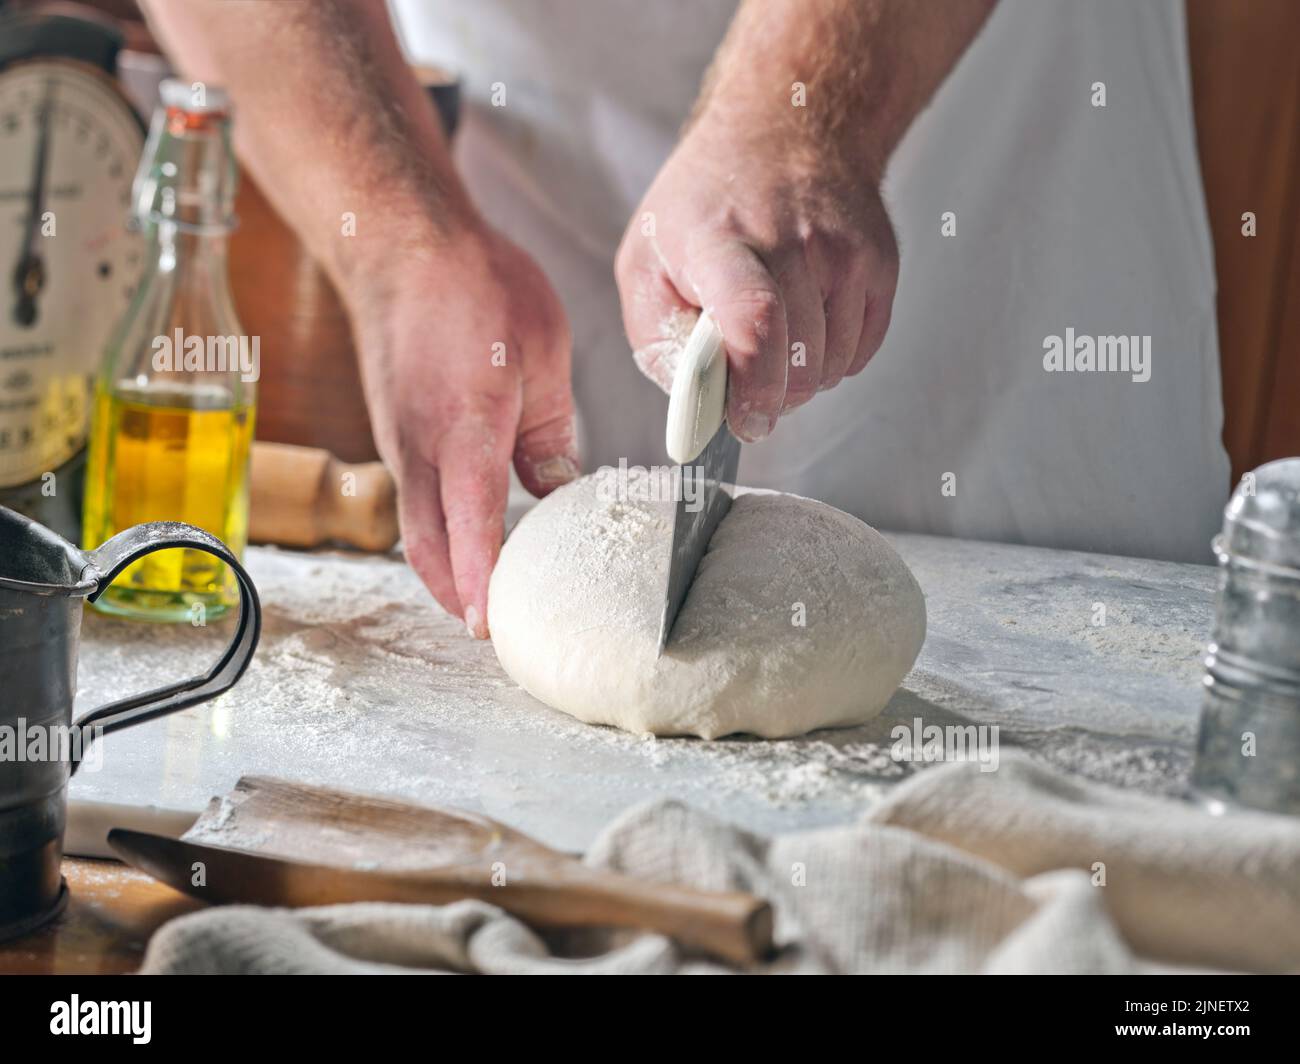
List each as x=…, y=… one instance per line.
x=1021, y=870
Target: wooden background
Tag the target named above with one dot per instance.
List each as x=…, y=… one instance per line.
x=1246, y=90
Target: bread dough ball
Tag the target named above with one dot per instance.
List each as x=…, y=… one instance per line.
x=800, y=616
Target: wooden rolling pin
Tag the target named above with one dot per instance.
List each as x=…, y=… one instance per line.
x=303, y=497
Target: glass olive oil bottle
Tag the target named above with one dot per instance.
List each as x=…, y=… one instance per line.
x=175, y=398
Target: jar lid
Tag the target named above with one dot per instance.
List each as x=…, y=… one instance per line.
x=1262, y=520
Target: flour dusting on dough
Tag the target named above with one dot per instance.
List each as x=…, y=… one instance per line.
x=800, y=616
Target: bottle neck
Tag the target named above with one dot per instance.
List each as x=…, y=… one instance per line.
x=184, y=203
x=194, y=261
x=186, y=182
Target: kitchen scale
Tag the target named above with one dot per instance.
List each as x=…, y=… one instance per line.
x=69, y=144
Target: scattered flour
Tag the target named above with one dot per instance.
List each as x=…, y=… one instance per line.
x=362, y=683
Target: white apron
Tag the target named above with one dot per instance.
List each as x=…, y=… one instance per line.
x=1072, y=221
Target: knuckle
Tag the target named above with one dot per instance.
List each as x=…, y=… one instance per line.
x=762, y=395
x=796, y=397
x=490, y=404
x=757, y=298
x=552, y=426
x=756, y=310
x=882, y=260
x=474, y=429
x=889, y=274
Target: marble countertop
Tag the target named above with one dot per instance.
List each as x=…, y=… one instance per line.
x=362, y=682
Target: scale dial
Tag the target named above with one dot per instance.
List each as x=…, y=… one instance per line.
x=69, y=145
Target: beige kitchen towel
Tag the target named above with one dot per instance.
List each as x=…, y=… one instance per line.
x=1022, y=869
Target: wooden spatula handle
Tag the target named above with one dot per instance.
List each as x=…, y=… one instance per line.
x=303, y=497
x=736, y=927
x=449, y=855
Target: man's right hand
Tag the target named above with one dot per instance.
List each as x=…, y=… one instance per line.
x=465, y=353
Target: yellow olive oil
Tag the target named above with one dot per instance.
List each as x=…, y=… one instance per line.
x=173, y=420
x=166, y=453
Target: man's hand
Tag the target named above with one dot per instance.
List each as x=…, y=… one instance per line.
x=464, y=348
x=768, y=213
x=791, y=252
x=465, y=355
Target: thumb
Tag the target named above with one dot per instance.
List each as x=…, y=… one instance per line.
x=656, y=318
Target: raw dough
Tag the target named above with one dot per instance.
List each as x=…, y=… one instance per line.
x=575, y=601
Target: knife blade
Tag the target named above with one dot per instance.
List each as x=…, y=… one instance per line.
x=705, y=470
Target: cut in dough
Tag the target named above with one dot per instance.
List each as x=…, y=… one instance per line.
x=576, y=597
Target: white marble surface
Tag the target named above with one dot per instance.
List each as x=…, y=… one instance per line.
x=361, y=682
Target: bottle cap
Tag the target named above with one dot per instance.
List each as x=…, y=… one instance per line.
x=193, y=97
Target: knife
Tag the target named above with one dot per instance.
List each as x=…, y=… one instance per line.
x=707, y=456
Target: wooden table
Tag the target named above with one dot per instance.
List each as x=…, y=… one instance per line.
x=111, y=913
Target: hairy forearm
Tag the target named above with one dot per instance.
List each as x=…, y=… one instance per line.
x=866, y=68
x=329, y=120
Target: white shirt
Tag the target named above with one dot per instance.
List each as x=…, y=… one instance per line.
x=1068, y=216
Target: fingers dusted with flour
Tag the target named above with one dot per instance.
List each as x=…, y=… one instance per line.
x=768, y=212
x=746, y=302
x=656, y=316
x=728, y=278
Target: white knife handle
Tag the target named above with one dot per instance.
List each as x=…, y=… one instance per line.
x=698, y=401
